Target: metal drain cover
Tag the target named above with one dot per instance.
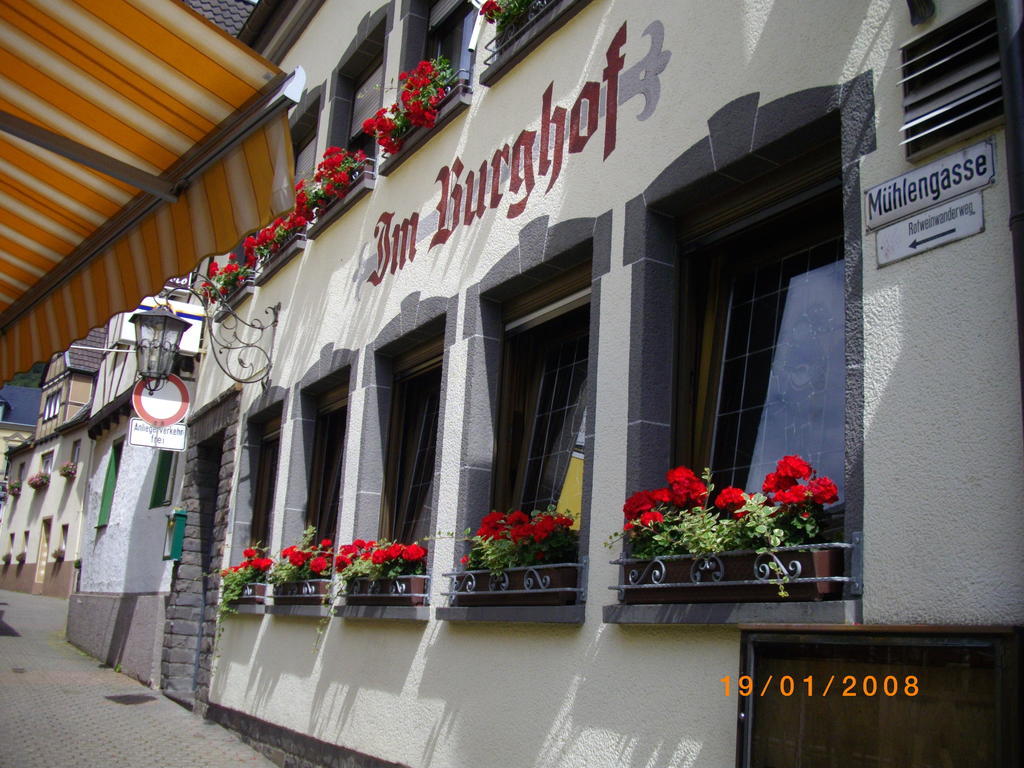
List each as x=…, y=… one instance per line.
x=131, y=698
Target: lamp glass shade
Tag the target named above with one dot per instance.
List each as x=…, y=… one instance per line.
x=158, y=336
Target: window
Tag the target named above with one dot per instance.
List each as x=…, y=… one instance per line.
x=762, y=371
x=451, y=27
x=304, y=141
x=64, y=530
x=892, y=701
x=21, y=471
x=412, y=443
x=109, y=484
x=163, y=479
x=367, y=98
x=328, y=452
x=266, y=481
x=46, y=465
x=76, y=450
x=542, y=416
x=51, y=406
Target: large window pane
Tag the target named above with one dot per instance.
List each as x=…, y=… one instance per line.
x=543, y=415
x=783, y=372
x=412, y=455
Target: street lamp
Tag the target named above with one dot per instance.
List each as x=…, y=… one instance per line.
x=158, y=336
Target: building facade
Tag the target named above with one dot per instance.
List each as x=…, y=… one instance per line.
x=640, y=235
x=44, y=510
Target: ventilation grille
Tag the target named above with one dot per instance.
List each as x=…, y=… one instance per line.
x=951, y=82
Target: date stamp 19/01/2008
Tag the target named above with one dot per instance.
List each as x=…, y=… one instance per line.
x=811, y=685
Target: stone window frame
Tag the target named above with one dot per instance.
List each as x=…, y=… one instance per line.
x=418, y=321
x=334, y=367
x=745, y=140
x=332, y=371
x=544, y=250
x=414, y=21
x=269, y=406
x=361, y=52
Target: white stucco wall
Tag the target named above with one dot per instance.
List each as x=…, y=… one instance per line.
x=61, y=501
x=126, y=555
x=942, y=416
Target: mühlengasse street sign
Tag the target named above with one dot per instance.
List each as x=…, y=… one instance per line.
x=937, y=226
x=169, y=438
x=932, y=184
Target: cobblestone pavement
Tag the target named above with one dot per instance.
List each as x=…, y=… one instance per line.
x=59, y=706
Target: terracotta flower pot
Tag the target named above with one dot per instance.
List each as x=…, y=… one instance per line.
x=536, y=585
x=311, y=592
x=732, y=577
x=407, y=590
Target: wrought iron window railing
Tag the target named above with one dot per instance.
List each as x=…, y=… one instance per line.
x=533, y=580
x=513, y=31
x=782, y=566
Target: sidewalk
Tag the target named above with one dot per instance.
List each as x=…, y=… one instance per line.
x=60, y=707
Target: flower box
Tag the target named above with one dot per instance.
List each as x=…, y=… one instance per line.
x=404, y=590
x=21, y=557
x=39, y=481
x=556, y=584
x=7, y=558
x=813, y=572
x=58, y=555
x=311, y=592
x=254, y=593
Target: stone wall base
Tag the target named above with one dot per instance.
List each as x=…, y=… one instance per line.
x=120, y=629
x=290, y=748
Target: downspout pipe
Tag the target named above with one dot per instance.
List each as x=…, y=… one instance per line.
x=1010, y=21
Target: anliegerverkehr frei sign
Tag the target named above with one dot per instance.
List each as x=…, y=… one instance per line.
x=931, y=184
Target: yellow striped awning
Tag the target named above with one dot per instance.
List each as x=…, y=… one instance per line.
x=136, y=139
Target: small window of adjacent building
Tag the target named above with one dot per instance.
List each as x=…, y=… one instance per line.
x=952, y=83
x=762, y=358
x=266, y=481
x=51, y=406
x=21, y=471
x=46, y=465
x=877, y=700
x=451, y=27
x=412, y=444
x=76, y=451
x=163, y=479
x=328, y=453
x=109, y=484
x=543, y=401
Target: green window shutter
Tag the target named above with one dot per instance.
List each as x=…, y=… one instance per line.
x=107, y=501
x=160, y=496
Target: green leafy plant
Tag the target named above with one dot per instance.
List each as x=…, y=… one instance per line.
x=419, y=96
x=679, y=518
x=14, y=488
x=504, y=13
x=233, y=580
x=517, y=539
x=303, y=561
x=68, y=470
x=380, y=560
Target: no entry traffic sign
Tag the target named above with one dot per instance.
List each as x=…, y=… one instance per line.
x=164, y=406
